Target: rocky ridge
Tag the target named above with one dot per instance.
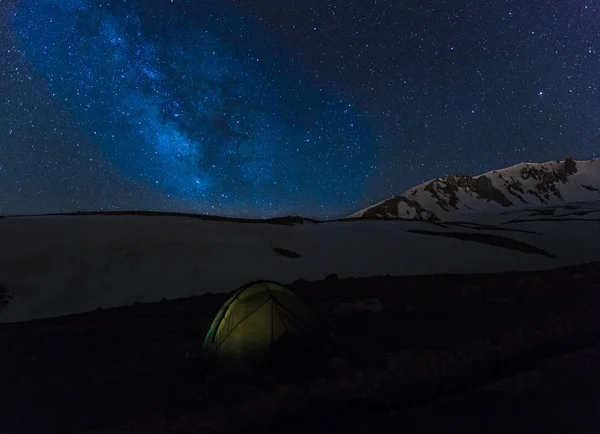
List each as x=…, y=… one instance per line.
x=525, y=185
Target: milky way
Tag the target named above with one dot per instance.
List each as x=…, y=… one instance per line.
x=177, y=106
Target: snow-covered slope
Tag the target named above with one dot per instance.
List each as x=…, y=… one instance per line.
x=525, y=185
x=67, y=264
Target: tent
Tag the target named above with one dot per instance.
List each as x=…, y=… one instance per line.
x=263, y=320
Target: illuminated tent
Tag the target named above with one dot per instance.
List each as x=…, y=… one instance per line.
x=262, y=320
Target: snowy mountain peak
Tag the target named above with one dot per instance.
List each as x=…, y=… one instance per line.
x=524, y=185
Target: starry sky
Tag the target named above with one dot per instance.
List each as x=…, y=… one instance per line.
x=260, y=108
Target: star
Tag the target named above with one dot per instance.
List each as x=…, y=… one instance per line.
x=214, y=108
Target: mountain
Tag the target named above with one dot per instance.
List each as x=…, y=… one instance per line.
x=524, y=185
x=62, y=264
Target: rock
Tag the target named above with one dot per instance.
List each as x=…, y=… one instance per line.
x=212, y=378
x=538, y=283
x=472, y=290
x=372, y=305
x=336, y=363
x=521, y=282
x=502, y=299
x=331, y=278
x=344, y=308
x=532, y=283
x=579, y=276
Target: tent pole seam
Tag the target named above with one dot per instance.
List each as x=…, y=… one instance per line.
x=241, y=321
x=281, y=317
x=300, y=320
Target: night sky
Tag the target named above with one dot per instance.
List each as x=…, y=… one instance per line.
x=258, y=108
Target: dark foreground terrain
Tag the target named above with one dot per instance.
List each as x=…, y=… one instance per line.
x=490, y=353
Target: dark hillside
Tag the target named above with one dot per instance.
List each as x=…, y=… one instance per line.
x=140, y=366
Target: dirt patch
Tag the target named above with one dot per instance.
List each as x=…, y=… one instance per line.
x=477, y=226
x=557, y=219
x=286, y=253
x=590, y=188
x=489, y=239
x=5, y=297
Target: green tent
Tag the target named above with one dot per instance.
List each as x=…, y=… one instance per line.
x=259, y=320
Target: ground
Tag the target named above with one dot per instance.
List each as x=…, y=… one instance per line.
x=488, y=353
